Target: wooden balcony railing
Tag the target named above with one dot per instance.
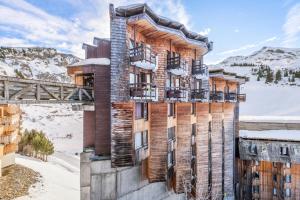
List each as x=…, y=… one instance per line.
x=231, y=96
x=142, y=91
x=199, y=69
x=217, y=96
x=199, y=94
x=142, y=53
x=177, y=63
x=241, y=97
x=176, y=93
x=9, y=148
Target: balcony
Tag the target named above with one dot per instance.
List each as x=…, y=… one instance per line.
x=217, y=96
x=177, y=66
x=199, y=70
x=241, y=97
x=143, y=57
x=143, y=91
x=231, y=97
x=201, y=95
x=176, y=94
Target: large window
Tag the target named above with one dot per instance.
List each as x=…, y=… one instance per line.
x=171, y=110
x=141, y=140
x=141, y=111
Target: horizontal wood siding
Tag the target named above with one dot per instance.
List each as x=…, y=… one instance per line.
x=183, y=149
x=158, y=140
x=121, y=135
x=202, y=113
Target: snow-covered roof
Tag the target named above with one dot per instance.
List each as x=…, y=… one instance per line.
x=220, y=72
x=270, y=119
x=287, y=135
x=92, y=61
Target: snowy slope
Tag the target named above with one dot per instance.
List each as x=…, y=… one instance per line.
x=268, y=99
x=275, y=57
x=38, y=63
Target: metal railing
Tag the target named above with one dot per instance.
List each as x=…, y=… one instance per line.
x=176, y=93
x=230, y=96
x=177, y=63
x=199, y=69
x=144, y=91
x=217, y=96
x=199, y=94
x=142, y=53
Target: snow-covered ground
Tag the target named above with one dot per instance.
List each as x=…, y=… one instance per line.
x=267, y=99
x=56, y=121
x=60, y=177
x=293, y=135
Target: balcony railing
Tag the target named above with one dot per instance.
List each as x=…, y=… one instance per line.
x=241, y=97
x=199, y=70
x=143, y=56
x=176, y=93
x=199, y=95
x=143, y=91
x=231, y=96
x=177, y=66
x=217, y=96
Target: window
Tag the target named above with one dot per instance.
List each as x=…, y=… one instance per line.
x=284, y=151
x=193, y=108
x=257, y=163
x=171, y=158
x=256, y=175
x=194, y=129
x=138, y=140
x=171, y=109
x=131, y=78
x=274, y=164
x=141, y=111
x=288, y=178
x=288, y=192
x=275, y=178
x=288, y=165
x=145, y=139
x=274, y=192
x=255, y=189
x=253, y=149
x=171, y=133
x=209, y=126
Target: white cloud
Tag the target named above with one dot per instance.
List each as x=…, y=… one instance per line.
x=249, y=46
x=13, y=42
x=205, y=32
x=29, y=24
x=291, y=27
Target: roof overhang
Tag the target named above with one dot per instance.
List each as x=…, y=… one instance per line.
x=222, y=74
x=153, y=25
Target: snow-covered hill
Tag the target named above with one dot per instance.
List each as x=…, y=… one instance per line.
x=275, y=98
x=38, y=63
x=275, y=57
x=57, y=121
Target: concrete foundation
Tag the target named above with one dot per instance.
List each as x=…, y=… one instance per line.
x=98, y=181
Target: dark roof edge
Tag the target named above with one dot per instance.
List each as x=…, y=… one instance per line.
x=135, y=9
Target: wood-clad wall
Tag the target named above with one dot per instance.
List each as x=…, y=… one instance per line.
x=203, y=117
x=121, y=134
x=157, y=161
x=229, y=138
x=183, y=149
x=217, y=148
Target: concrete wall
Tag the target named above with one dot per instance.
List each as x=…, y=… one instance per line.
x=98, y=181
x=7, y=160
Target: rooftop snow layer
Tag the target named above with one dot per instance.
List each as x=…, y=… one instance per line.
x=271, y=119
x=92, y=61
x=290, y=135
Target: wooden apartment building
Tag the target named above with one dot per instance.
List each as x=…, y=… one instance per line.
x=9, y=134
x=157, y=106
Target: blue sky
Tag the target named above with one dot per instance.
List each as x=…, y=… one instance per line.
x=237, y=27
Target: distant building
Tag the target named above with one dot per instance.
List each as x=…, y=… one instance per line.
x=160, y=118
x=9, y=134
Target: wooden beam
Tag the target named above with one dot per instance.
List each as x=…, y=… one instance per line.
x=22, y=92
x=49, y=92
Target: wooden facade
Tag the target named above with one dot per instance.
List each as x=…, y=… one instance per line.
x=162, y=117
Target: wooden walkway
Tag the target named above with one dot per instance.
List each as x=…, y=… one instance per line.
x=27, y=91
